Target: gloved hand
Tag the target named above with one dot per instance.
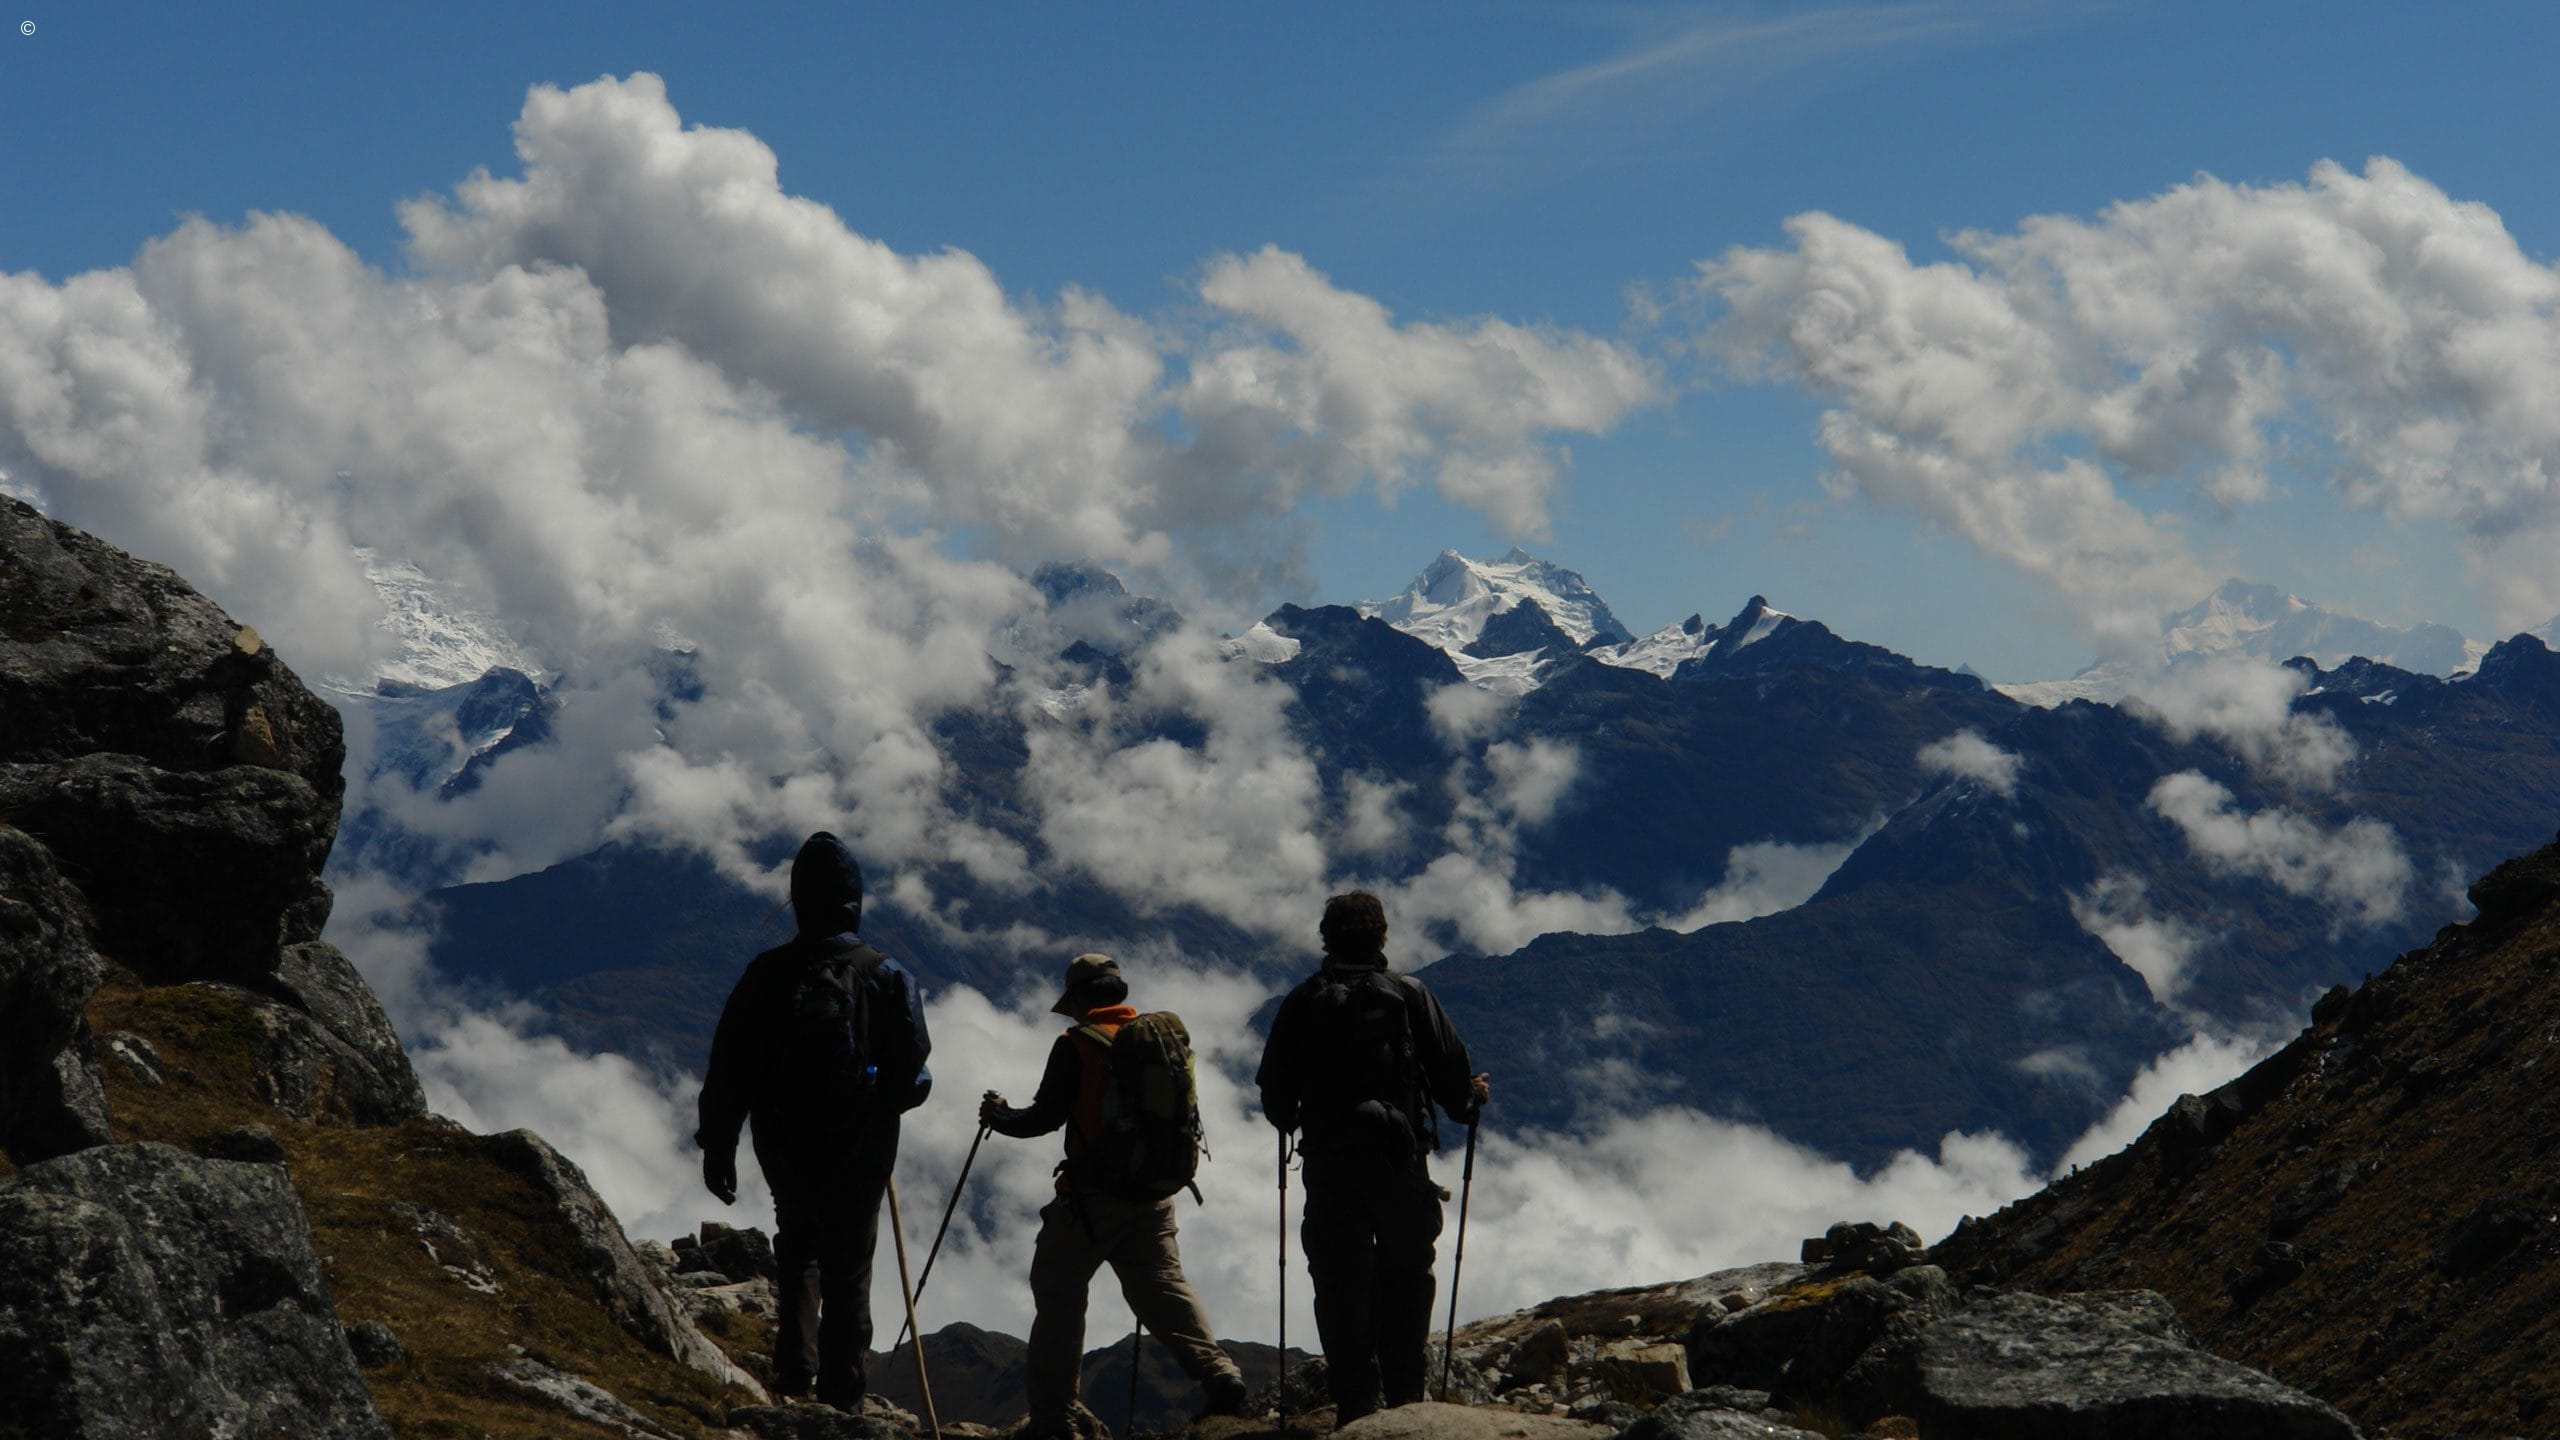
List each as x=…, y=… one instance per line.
x=720, y=1174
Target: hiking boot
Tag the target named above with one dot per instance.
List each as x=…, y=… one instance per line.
x=788, y=1386
x=1227, y=1395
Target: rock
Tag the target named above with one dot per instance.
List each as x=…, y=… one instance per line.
x=2010, y=1366
x=1431, y=1420
x=139, y=1058
x=450, y=1246
x=1466, y=1384
x=1640, y=1373
x=2300, y=1204
x=2494, y=1227
x=192, y=874
x=825, y=1422
x=101, y=652
x=2193, y=1125
x=47, y=974
x=1713, y=1424
x=1876, y=1249
x=249, y=1144
x=1803, y=1335
x=309, y=1073
x=376, y=1345
x=741, y=1253
x=632, y=1293
x=323, y=984
x=1540, y=1357
x=145, y=1292
x=2520, y=886
x=583, y=1398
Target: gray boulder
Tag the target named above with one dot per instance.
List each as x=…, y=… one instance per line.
x=632, y=1292
x=101, y=652
x=197, y=875
x=305, y=1070
x=51, y=1102
x=2014, y=1366
x=324, y=984
x=145, y=1292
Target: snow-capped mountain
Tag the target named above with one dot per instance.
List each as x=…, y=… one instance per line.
x=443, y=640
x=1450, y=604
x=2265, y=623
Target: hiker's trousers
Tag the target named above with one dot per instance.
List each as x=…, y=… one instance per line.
x=826, y=1222
x=1080, y=1234
x=1369, y=1237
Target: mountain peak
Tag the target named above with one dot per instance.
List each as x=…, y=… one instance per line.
x=1449, y=603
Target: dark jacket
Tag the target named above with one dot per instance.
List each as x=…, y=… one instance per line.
x=1070, y=1091
x=740, y=1084
x=1300, y=1049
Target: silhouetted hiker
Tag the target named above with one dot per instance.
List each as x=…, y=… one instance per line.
x=822, y=1046
x=1356, y=1056
x=1128, y=1155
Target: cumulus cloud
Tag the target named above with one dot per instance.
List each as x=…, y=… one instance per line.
x=2247, y=703
x=2364, y=328
x=1532, y=778
x=1967, y=755
x=2359, y=866
x=2116, y=908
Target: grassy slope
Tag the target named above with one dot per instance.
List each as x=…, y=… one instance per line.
x=377, y=1267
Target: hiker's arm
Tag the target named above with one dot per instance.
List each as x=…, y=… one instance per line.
x=1444, y=1056
x=1278, y=1077
x=904, y=1045
x=1049, y=1108
x=728, y=1080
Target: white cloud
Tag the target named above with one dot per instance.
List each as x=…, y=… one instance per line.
x=1967, y=755
x=2116, y=908
x=2203, y=1063
x=2248, y=704
x=1463, y=712
x=2365, y=328
x=1766, y=877
x=1532, y=778
x=2359, y=865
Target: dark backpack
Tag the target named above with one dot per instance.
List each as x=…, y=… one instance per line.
x=1145, y=1145
x=1365, y=1100
x=827, y=1070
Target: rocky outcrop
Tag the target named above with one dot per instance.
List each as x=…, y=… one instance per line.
x=145, y=1292
x=168, y=795
x=2014, y=1366
x=50, y=1102
x=631, y=1291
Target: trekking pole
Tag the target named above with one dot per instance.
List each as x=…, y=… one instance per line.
x=1284, y=1280
x=1137, y=1332
x=924, y=1386
x=924, y=1277
x=1457, y=1266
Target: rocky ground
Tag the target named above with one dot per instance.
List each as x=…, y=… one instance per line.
x=2374, y=1212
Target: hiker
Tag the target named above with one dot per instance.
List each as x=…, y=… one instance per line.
x=1356, y=1056
x=822, y=1046
x=1114, y=1205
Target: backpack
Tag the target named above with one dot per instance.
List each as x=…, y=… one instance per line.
x=827, y=1070
x=1365, y=1095
x=1146, y=1143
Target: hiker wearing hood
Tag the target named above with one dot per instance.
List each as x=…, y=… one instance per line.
x=821, y=1048
x=1356, y=1057
x=1103, y=1215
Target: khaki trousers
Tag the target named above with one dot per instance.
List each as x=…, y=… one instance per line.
x=1078, y=1235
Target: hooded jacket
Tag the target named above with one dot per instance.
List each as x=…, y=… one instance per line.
x=740, y=1084
x=1300, y=1048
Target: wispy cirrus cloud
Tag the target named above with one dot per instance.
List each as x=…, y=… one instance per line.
x=1675, y=68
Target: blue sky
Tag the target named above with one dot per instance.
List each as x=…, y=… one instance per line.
x=1536, y=163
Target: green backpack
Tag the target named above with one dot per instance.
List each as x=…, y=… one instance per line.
x=1146, y=1143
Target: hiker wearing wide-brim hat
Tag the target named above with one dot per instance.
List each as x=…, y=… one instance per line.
x=1093, y=980
x=1115, y=1201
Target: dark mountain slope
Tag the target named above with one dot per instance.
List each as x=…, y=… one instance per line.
x=2370, y=1212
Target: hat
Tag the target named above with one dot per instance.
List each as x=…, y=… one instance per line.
x=1084, y=974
